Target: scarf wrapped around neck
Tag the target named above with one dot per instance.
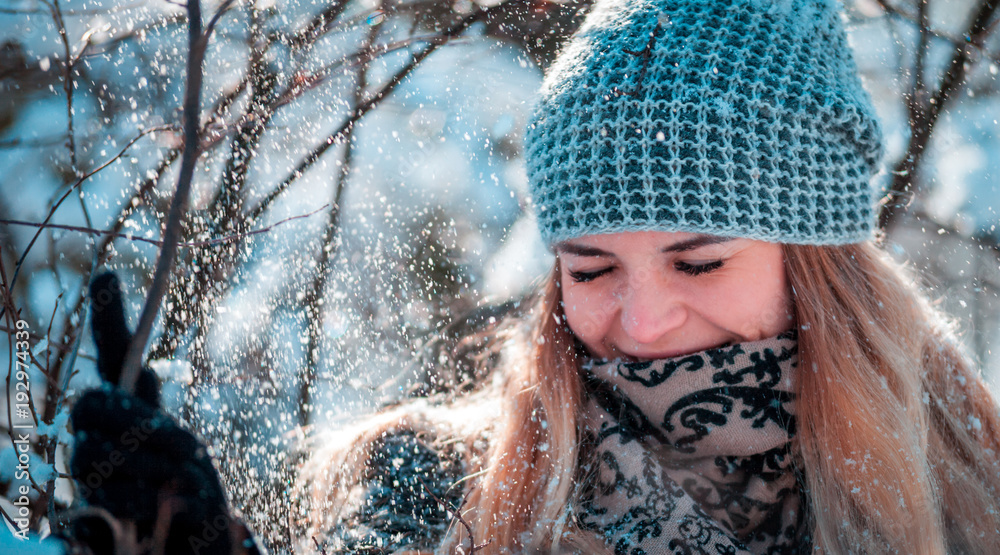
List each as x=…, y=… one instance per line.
x=694, y=454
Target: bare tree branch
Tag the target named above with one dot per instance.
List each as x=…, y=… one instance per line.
x=78, y=13
x=224, y=213
x=215, y=18
x=196, y=293
x=11, y=312
x=31, y=143
x=924, y=115
x=328, y=246
x=67, y=82
x=457, y=516
x=319, y=547
x=319, y=24
x=359, y=111
x=306, y=81
x=141, y=191
x=918, y=90
x=188, y=244
x=192, y=101
x=73, y=187
x=914, y=20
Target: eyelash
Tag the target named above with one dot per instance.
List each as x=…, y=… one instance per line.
x=689, y=269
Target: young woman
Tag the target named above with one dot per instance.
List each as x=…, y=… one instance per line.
x=721, y=360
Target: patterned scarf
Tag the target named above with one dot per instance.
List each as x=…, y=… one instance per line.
x=693, y=454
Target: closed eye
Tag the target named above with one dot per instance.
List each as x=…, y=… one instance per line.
x=581, y=277
x=686, y=267
x=697, y=269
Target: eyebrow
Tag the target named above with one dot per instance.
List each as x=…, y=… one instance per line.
x=680, y=246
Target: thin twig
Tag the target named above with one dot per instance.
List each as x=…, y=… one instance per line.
x=915, y=21
x=221, y=105
x=73, y=187
x=303, y=82
x=8, y=301
x=215, y=18
x=48, y=339
x=71, y=348
x=67, y=83
x=191, y=244
x=113, y=41
x=49, y=444
x=319, y=24
x=75, y=13
x=457, y=516
x=359, y=111
x=109, y=43
x=31, y=143
x=8, y=517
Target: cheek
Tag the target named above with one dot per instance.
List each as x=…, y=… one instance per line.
x=588, y=312
x=774, y=315
x=762, y=310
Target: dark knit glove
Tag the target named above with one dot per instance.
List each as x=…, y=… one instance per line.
x=134, y=461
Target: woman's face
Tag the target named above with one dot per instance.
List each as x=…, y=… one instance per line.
x=653, y=294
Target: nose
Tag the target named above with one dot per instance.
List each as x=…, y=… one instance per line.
x=650, y=310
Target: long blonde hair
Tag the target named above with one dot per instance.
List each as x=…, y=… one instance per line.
x=900, y=439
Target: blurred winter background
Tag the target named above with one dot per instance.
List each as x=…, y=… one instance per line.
x=376, y=146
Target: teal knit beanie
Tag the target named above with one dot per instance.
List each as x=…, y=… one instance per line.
x=740, y=118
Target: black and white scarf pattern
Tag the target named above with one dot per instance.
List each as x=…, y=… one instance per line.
x=693, y=454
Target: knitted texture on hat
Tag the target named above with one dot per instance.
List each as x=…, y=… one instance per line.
x=742, y=118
